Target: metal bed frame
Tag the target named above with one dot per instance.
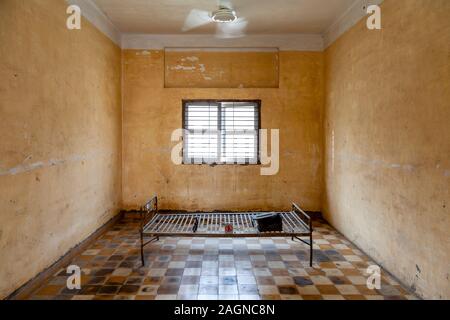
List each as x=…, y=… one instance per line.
x=296, y=224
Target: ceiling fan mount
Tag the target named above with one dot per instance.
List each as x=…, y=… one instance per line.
x=223, y=15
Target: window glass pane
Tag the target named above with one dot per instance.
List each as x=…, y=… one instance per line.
x=201, y=143
x=239, y=124
x=221, y=132
x=201, y=117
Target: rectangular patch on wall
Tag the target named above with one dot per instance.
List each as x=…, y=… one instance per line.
x=221, y=68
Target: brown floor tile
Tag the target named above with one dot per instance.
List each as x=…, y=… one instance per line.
x=89, y=289
x=129, y=289
x=271, y=297
x=366, y=291
x=354, y=297
x=103, y=272
x=327, y=290
x=351, y=272
x=280, y=272
x=312, y=297
x=395, y=298
x=339, y=280
x=138, y=297
x=96, y=280
x=327, y=265
x=134, y=280
x=287, y=290
x=168, y=289
x=116, y=280
x=153, y=280
x=104, y=297
x=110, y=290
x=49, y=290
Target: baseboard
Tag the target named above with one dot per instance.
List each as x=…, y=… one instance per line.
x=132, y=214
x=315, y=215
x=25, y=290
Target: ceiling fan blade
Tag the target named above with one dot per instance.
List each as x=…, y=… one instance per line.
x=195, y=19
x=231, y=30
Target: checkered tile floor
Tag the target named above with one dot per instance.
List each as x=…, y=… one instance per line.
x=209, y=268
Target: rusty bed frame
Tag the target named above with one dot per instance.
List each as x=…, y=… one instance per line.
x=296, y=224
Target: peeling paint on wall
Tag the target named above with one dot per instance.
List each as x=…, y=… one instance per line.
x=215, y=69
x=184, y=68
x=143, y=53
x=191, y=59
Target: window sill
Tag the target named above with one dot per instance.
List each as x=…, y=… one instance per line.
x=222, y=164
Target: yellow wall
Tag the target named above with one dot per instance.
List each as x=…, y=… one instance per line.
x=60, y=111
x=387, y=149
x=152, y=112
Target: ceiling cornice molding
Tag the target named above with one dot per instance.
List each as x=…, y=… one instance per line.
x=347, y=20
x=216, y=49
x=285, y=42
x=94, y=15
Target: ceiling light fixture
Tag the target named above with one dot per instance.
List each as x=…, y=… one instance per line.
x=224, y=15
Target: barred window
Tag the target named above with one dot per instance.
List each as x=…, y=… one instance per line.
x=221, y=132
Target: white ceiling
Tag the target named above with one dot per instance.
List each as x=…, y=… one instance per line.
x=263, y=16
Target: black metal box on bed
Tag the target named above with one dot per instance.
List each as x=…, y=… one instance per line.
x=296, y=224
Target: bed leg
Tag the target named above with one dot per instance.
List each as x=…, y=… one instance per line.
x=142, y=250
x=310, y=249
